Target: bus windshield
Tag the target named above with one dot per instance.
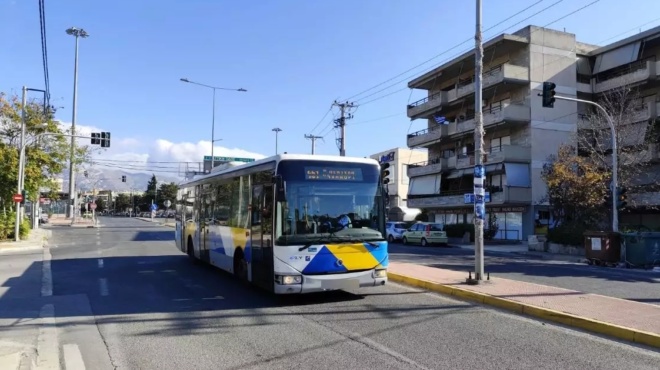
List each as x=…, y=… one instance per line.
x=328, y=202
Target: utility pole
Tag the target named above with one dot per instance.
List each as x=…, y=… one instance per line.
x=479, y=169
x=313, y=139
x=277, y=131
x=341, y=123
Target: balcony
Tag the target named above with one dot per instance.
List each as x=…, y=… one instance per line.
x=647, y=199
x=504, y=153
x=427, y=136
x=508, y=195
x=431, y=167
x=425, y=107
x=509, y=73
x=637, y=72
x=495, y=115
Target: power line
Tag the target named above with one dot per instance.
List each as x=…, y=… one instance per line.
x=467, y=50
x=341, y=123
x=44, y=51
x=313, y=139
x=450, y=49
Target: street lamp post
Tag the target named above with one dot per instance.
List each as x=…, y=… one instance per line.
x=277, y=130
x=214, y=88
x=77, y=33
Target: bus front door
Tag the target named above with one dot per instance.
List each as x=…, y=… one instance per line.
x=261, y=242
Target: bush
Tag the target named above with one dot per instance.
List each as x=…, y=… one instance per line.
x=458, y=230
x=7, y=222
x=568, y=234
x=24, y=229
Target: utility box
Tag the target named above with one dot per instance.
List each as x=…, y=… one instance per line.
x=602, y=247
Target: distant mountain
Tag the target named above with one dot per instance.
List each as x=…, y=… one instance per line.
x=109, y=179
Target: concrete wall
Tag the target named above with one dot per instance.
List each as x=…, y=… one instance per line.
x=399, y=182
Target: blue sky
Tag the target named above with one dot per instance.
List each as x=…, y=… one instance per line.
x=293, y=56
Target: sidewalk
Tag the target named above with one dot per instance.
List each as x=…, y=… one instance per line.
x=523, y=250
x=614, y=317
x=35, y=241
x=168, y=222
x=62, y=221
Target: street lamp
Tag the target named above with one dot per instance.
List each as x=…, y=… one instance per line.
x=77, y=33
x=277, y=130
x=214, y=88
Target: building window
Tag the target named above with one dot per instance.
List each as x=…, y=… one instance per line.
x=497, y=144
x=405, y=180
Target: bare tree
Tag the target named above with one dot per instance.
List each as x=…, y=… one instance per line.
x=634, y=123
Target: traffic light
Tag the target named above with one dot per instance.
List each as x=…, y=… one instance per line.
x=96, y=138
x=621, y=197
x=385, y=173
x=123, y=179
x=105, y=139
x=549, y=94
x=85, y=173
x=24, y=194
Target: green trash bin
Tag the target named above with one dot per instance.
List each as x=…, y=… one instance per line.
x=642, y=249
x=602, y=247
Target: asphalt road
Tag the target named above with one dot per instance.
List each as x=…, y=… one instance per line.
x=125, y=298
x=641, y=286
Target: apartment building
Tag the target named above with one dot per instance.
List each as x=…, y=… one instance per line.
x=520, y=133
x=400, y=159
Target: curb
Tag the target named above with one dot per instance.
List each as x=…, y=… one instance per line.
x=595, y=326
x=155, y=222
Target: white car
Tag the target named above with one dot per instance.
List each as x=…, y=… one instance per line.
x=395, y=230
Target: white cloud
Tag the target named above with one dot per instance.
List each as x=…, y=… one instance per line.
x=161, y=156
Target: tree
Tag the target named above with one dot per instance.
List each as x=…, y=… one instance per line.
x=46, y=156
x=122, y=202
x=100, y=205
x=167, y=192
x=151, y=193
x=577, y=189
x=635, y=132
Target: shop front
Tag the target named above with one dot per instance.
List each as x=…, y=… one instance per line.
x=511, y=222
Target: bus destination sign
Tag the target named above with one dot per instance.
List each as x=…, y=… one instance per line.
x=333, y=173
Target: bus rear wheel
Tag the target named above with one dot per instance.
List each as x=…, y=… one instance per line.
x=240, y=266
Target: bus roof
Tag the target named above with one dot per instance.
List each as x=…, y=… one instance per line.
x=278, y=158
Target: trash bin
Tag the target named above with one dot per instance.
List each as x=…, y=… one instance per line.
x=642, y=249
x=602, y=247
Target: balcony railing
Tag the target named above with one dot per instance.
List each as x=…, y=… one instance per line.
x=506, y=195
x=429, y=167
x=497, y=154
x=634, y=73
x=426, y=136
x=423, y=106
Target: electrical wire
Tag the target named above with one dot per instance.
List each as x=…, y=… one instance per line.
x=448, y=50
x=44, y=51
x=469, y=49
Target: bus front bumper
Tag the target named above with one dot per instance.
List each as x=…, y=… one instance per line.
x=323, y=283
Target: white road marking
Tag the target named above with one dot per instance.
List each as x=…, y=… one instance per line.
x=73, y=358
x=100, y=261
x=216, y=297
x=98, y=242
x=46, y=275
x=10, y=361
x=103, y=287
x=48, y=351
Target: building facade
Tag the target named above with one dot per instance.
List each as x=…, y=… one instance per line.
x=520, y=135
x=400, y=159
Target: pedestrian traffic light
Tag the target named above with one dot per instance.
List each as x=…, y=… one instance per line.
x=96, y=138
x=24, y=194
x=621, y=198
x=105, y=139
x=123, y=179
x=385, y=173
x=549, y=94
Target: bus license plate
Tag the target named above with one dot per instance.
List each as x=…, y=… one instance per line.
x=341, y=284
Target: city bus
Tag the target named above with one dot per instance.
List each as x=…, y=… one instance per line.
x=289, y=223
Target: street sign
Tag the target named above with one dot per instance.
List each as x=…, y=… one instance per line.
x=154, y=207
x=168, y=204
x=17, y=198
x=92, y=206
x=228, y=159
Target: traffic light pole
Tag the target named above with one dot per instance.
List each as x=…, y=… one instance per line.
x=615, y=159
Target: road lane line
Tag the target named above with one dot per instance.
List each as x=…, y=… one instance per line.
x=103, y=287
x=48, y=351
x=73, y=358
x=98, y=242
x=100, y=261
x=46, y=274
x=216, y=297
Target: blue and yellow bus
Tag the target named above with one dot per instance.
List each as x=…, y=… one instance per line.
x=289, y=223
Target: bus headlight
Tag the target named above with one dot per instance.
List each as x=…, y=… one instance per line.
x=288, y=279
x=381, y=273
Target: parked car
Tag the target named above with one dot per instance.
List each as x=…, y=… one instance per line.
x=395, y=230
x=425, y=233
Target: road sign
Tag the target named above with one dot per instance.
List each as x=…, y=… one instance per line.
x=154, y=207
x=228, y=159
x=92, y=206
x=18, y=198
x=168, y=204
